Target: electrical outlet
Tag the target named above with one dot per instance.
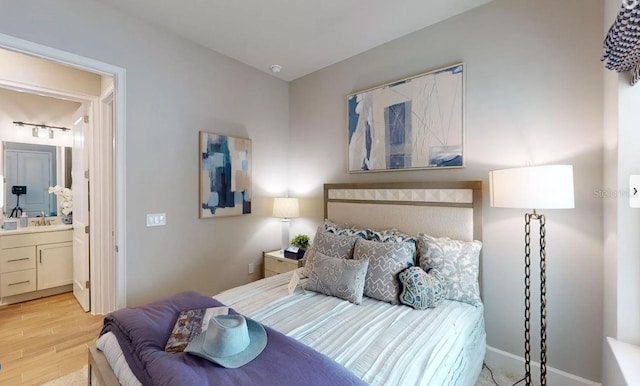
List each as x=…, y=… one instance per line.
x=251, y=268
x=156, y=219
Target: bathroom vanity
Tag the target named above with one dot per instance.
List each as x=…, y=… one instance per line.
x=35, y=261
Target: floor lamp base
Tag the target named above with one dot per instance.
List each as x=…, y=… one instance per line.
x=527, y=299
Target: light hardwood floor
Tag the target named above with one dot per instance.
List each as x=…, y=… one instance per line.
x=44, y=339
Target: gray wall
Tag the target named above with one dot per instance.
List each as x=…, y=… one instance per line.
x=534, y=95
x=174, y=89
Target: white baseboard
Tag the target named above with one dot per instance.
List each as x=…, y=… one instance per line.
x=498, y=359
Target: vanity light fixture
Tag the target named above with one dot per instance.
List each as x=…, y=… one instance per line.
x=40, y=130
x=41, y=133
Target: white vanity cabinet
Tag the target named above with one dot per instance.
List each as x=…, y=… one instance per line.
x=35, y=260
x=54, y=265
x=17, y=270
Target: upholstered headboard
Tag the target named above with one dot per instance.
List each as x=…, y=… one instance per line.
x=452, y=209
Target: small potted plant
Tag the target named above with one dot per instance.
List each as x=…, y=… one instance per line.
x=301, y=242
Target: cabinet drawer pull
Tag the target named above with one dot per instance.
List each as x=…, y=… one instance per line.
x=40, y=253
x=20, y=282
x=14, y=260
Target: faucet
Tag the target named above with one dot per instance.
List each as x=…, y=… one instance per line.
x=43, y=220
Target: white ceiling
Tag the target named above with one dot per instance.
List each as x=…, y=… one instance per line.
x=300, y=35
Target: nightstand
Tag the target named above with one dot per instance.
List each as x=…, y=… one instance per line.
x=275, y=263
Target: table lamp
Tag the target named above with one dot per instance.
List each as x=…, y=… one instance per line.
x=286, y=208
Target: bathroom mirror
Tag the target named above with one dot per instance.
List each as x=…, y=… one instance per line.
x=35, y=149
x=37, y=167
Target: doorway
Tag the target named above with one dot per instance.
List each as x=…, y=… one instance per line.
x=105, y=227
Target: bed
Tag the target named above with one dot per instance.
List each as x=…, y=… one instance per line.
x=381, y=343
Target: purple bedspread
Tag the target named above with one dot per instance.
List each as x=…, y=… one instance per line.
x=143, y=332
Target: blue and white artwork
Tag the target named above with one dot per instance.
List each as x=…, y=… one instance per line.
x=225, y=175
x=414, y=123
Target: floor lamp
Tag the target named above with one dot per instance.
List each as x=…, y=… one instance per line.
x=286, y=209
x=539, y=187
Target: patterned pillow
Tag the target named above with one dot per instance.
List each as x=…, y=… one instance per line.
x=329, y=244
x=386, y=260
x=338, y=277
x=391, y=236
x=420, y=289
x=345, y=229
x=459, y=263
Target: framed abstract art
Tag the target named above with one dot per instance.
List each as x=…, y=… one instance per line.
x=225, y=175
x=412, y=123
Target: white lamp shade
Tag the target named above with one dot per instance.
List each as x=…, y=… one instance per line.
x=285, y=207
x=533, y=187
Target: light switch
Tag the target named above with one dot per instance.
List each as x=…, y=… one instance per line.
x=156, y=219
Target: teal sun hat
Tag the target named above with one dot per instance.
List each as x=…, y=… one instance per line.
x=231, y=341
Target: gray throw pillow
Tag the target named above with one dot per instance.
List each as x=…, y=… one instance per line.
x=328, y=244
x=386, y=260
x=459, y=263
x=341, y=278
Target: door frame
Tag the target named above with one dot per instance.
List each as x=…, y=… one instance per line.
x=108, y=292
x=102, y=207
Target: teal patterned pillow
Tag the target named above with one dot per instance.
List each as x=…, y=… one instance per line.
x=420, y=289
x=341, y=278
x=391, y=236
x=345, y=229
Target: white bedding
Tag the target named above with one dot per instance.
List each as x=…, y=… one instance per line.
x=381, y=343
